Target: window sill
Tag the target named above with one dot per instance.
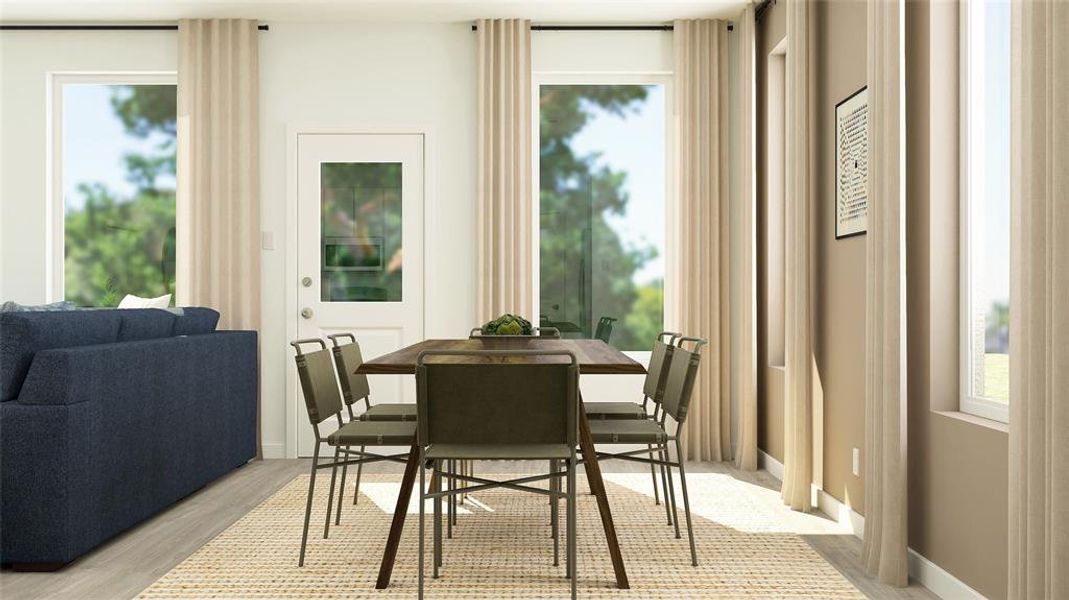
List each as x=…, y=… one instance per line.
x=974, y=420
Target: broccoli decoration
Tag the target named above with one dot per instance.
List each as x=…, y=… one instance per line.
x=508, y=324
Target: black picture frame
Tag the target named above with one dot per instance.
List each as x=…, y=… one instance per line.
x=835, y=149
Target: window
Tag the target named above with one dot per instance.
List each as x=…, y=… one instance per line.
x=602, y=189
x=113, y=187
x=985, y=208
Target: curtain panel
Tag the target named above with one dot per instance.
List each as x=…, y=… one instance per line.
x=716, y=188
x=1039, y=283
x=798, y=249
x=744, y=207
x=218, y=205
x=703, y=110
x=884, y=549
x=505, y=220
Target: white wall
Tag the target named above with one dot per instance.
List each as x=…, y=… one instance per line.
x=338, y=75
x=375, y=75
x=26, y=57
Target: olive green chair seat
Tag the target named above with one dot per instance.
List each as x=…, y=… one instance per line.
x=615, y=410
x=389, y=412
x=498, y=451
x=374, y=433
x=635, y=431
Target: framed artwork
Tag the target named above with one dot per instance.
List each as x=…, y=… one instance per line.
x=851, y=165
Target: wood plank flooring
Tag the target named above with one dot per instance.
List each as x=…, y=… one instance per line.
x=131, y=562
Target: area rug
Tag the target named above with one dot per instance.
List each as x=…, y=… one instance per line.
x=502, y=548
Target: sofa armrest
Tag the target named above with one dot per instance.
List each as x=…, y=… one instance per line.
x=102, y=437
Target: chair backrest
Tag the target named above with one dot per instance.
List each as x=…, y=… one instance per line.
x=680, y=380
x=604, y=329
x=500, y=401
x=657, y=372
x=316, y=373
x=348, y=359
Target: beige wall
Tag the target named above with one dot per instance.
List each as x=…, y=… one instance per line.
x=839, y=341
x=840, y=264
x=957, y=465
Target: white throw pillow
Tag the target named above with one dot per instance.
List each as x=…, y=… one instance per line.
x=132, y=301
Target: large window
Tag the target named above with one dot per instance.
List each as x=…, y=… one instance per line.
x=985, y=224
x=602, y=210
x=113, y=161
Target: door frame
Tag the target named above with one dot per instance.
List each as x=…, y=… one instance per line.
x=295, y=416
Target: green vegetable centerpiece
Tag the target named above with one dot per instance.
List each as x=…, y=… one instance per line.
x=508, y=324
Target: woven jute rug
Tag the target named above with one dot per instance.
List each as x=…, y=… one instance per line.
x=502, y=548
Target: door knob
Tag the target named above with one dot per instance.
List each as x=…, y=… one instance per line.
x=307, y=312
x=306, y=282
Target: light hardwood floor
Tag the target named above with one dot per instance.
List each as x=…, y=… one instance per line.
x=131, y=562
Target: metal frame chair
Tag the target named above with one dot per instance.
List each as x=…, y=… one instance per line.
x=354, y=387
x=603, y=330
x=498, y=411
x=675, y=403
x=652, y=391
x=315, y=370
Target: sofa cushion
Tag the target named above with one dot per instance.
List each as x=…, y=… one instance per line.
x=194, y=320
x=145, y=324
x=22, y=334
x=11, y=306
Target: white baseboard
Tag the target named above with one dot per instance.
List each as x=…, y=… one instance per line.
x=773, y=466
x=276, y=450
x=938, y=581
x=921, y=570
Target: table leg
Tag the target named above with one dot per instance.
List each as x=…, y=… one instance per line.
x=597, y=487
x=389, y=554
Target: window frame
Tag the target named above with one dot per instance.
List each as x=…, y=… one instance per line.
x=671, y=220
x=969, y=403
x=56, y=208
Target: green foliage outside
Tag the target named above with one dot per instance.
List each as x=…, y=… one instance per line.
x=118, y=245
x=587, y=271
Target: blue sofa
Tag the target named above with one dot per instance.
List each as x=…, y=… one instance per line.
x=110, y=416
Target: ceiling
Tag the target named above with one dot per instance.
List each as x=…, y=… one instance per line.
x=539, y=11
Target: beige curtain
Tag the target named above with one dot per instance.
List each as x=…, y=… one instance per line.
x=702, y=107
x=504, y=188
x=884, y=548
x=798, y=295
x=745, y=206
x=218, y=218
x=1039, y=320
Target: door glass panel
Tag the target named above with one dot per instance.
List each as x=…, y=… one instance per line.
x=360, y=240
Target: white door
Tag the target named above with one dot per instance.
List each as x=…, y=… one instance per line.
x=360, y=250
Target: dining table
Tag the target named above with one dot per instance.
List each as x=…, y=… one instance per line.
x=595, y=357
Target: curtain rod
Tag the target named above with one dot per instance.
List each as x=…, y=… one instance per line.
x=601, y=27
x=98, y=27
x=595, y=28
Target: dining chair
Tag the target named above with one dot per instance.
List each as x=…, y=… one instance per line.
x=468, y=467
x=474, y=410
x=603, y=331
x=652, y=390
x=354, y=387
x=315, y=370
x=675, y=403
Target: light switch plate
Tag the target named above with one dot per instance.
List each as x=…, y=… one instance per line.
x=267, y=240
x=857, y=462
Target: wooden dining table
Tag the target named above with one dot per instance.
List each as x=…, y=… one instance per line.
x=595, y=357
